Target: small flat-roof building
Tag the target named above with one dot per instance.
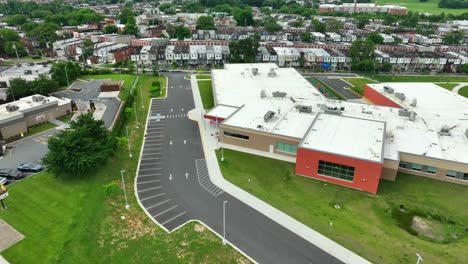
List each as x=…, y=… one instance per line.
x=417, y=128
x=16, y=117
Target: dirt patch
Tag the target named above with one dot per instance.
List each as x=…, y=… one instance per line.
x=199, y=228
x=427, y=228
x=9, y=235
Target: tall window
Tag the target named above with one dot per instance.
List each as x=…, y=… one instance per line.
x=336, y=170
x=234, y=135
x=431, y=170
x=285, y=147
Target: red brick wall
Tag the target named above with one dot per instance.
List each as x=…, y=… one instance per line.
x=377, y=98
x=366, y=173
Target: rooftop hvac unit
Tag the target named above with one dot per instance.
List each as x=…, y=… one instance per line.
x=445, y=130
x=268, y=116
x=262, y=93
x=278, y=94
x=37, y=98
x=254, y=71
x=412, y=116
x=414, y=102
x=304, y=108
x=272, y=73
x=404, y=112
x=334, y=110
x=11, y=108
x=400, y=96
x=466, y=133
x=388, y=89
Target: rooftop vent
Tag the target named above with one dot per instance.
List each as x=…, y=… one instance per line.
x=37, y=98
x=278, y=94
x=272, y=73
x=254, y=71
x=404, y=112
x=304, y=108
x=445, y=130
x=466, y=133
x=334, y=110
x=262, y=93
x=400, y=96
x=414, y=102
x=268, y=116
x=11, y=108
x=388, y=89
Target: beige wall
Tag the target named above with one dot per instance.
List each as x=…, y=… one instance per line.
x=48, y=115
x=257, y=140
x=14, y=130
x=389, y=170
x=442, y=167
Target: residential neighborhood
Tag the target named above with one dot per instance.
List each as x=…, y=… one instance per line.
x=233, y=131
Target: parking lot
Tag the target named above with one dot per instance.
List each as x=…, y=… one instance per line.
x=153, y=176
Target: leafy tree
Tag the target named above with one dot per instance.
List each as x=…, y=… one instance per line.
x=227, y=8
x=244, y=50
x=179, y=32
x=11, y=51
x=306, y=37
x=125, y=14
x=361, y=22
x=386, y=67
x=375, y=37
x=362, y=50
x=298, y=23
x=78, y=150
x=166, y=8
x=19, y=87
x=271, y=25
x=45, y=33
x=28, y=26
x=318, y=26
x=205, y=23
x=62, y=70
x=87, y=48
x=130, y=27
x=453, y=37
x=7, y=36
x=265, y=10
x=243, y=17
x=16, y=20
x=333, y=25
x=465, y=68
x=111, y=29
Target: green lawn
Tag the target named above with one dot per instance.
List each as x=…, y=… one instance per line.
x=358, y=84
x=428, y=78
x=75, y=220
x=463, y=91
x=364, y=223
x=431, y=6
x=203, y=77
x=66, y=118
x=448, y=86
x=33, y=130
x=206, y=92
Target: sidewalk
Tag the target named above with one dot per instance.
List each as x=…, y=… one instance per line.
x=210, y=144
x=458, y=87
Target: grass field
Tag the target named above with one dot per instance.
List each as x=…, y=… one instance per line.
x=78, y=220
x=206, y=92
x=405, y=78
x=448, y=86
x=358, y=84
x=463, y=91
x=39, y=128
x=203, y=77
x=431, y=6
x=364, y=224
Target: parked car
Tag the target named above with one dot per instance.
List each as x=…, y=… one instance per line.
x=3, y=180
x=11, y=174
x=30, y=167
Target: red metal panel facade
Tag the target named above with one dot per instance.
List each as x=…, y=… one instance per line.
x=366, y=173
x=378, y=98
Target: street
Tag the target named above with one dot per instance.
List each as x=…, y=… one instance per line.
x=173, y=186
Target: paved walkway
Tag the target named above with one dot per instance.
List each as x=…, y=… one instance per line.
x=58, y=123
x=458, y=87
x=209, y=146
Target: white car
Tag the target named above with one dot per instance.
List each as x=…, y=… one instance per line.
x=3, y=180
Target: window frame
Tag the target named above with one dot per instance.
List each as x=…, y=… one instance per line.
x=336, y=170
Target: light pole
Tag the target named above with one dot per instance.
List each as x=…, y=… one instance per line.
x=419, y=258
x=16, y=51
x=222, y=146
x=66, y=74
x=136, y=116
x=128, y=140
x=141, y=94
x=224, y=222
x=127, y=206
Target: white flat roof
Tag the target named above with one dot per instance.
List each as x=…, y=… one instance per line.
x=222, y=111
x=27, y=103
x=346, y=136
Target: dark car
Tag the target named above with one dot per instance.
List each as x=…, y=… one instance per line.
x=30, y=167
x=11, y=174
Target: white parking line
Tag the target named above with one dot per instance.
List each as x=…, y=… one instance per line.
x=157, y=187
x=141, y=200
x=158, y=204
x=151, y=169
x=147, y=182
x=173, y=218
x=149, y=175
x=149, y=159
x=152, y=148
x=165, y=211
x=154, y=144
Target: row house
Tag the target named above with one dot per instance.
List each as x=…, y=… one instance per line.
x=67, y=48
x=403, y=61
x=108, y=52
x=287, y=57
x=267, y=54
x=204, y=35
